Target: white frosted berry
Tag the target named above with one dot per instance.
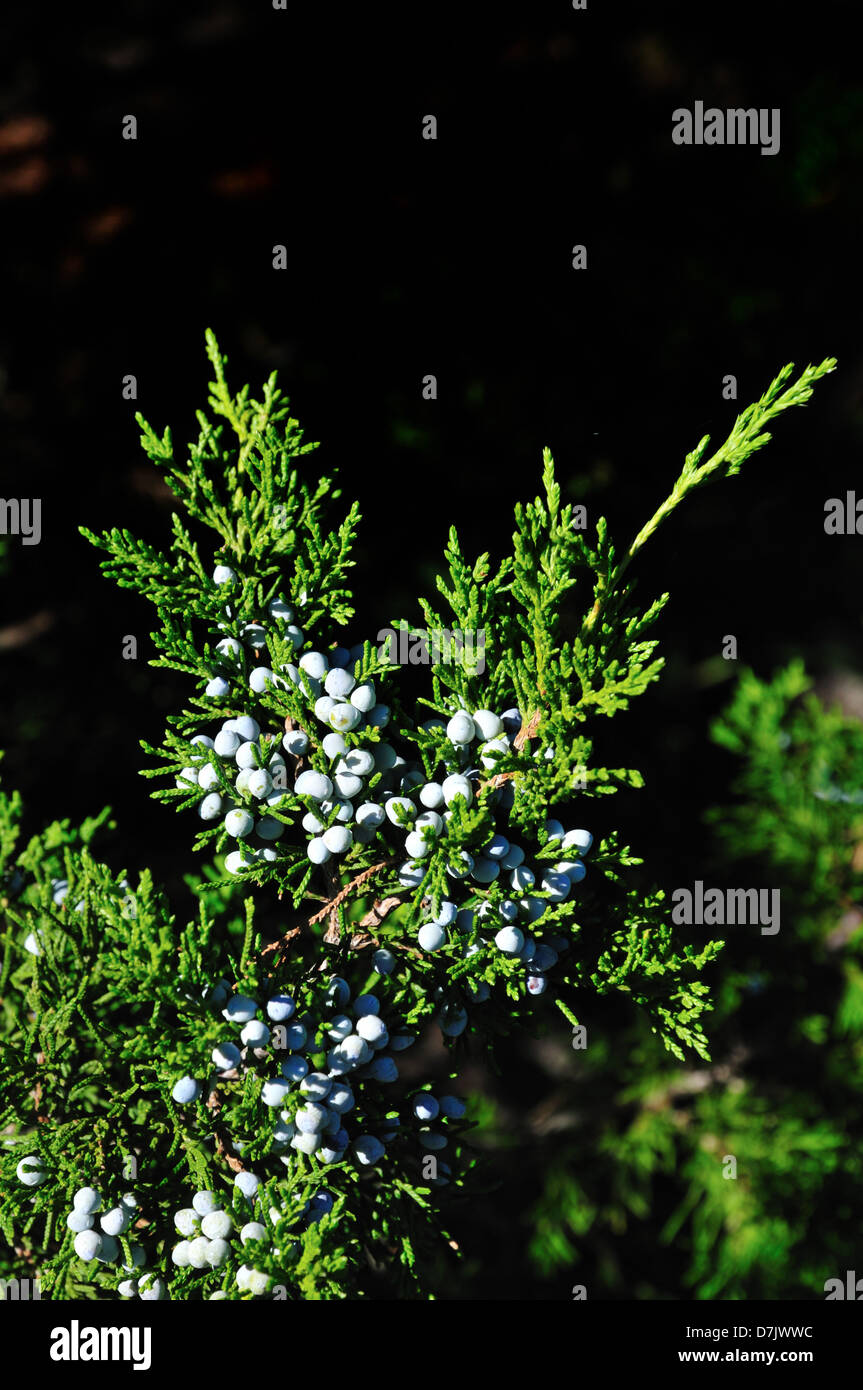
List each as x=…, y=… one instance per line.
x=314, y=785
x=510, y=940
x=384, y=961
x=239, y=1009
x=425, y=1107
x=80, y=1221
x=208, y=778
x=372, y=1029
x=333, y=745
x=263, y=678
x=204, y=1202
x=295, y=635
x=255, y=1033
x=254, y=636
x=115, y=1221
x=273, y=1092
x=306, y=1143
x=186, y=1090
x=226, y=1056
x=234, y=862
x=279, y=610
x=343, y=717
x=490, y=753
x=417, y=846
x=217, y=688
x=248, y=728
x=88, y=1245
x=579, y=840
x=340, y=1027
x=316, y=1085
x=295, y=741
x=431, y=795
x=317, y=851
x=368, y=1149
x=280, y=1008
x=210, y=807
x=489, y=725
x=339, y=683
x=248, y=755
x=253, y=1230
x=260, y=783
x=371, y=815
x=431, y=937
x=556, y=885
x=223, y=574
x=461, y=729
x=311, y=1118
x=347, y=784
x=457, y=785
x=31, y=1171
x=341, y=1098
x=359, y=761
x=400, y=810
x=363, y=697
x=248, y=1183
x=239, y=823
x=229, y=646
x=217, y=1225
x=385, y=757
x=87, y=1200
x=338, y=839
x=294, y=1068
x=522, y=877
x=412, y=873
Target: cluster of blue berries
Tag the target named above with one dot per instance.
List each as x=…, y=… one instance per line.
x=311, y=1102
x=103, y=1244
x=213, y=1235
x=334, y=700
x=339, y=1055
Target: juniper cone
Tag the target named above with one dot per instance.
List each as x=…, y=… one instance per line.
x=245, y=1057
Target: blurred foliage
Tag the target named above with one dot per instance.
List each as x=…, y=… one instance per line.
x=744, y=1178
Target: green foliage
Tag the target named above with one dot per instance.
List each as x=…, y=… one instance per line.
x=781, y=1100
x=110, y=1001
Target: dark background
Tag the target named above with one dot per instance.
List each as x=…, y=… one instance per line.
x=408, y=257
